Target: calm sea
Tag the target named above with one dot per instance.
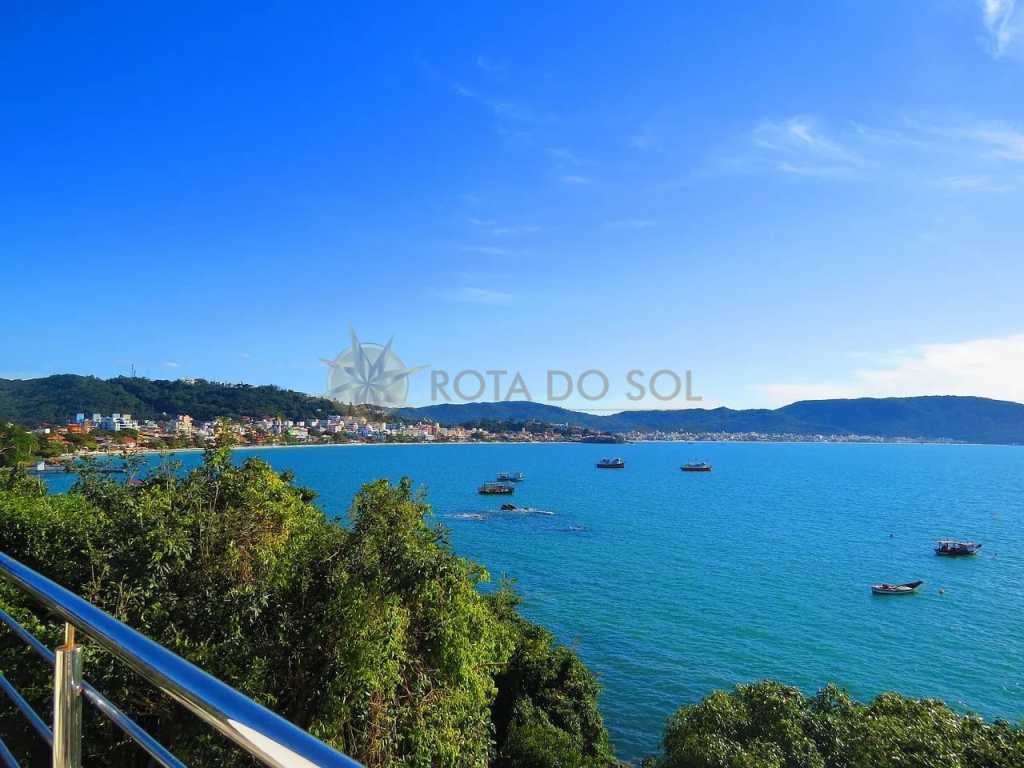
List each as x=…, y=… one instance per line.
x=671, y=585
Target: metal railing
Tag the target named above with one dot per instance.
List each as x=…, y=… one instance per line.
x=267, y=737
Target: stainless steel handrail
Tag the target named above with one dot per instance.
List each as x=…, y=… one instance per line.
x=132, y=729
x=26, y=709
x=266, y=736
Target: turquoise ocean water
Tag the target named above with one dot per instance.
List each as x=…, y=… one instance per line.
x=671, y=585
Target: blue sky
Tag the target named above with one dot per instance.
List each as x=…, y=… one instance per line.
x=795, y=200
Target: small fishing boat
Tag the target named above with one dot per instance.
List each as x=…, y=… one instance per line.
x=896, y=589
x=495, y=489
x=952, y=548
x=511, y=477
x=702, y=466
x=611, y=464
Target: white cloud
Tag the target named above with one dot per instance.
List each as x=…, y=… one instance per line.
x=1001, y=24
x=488, y=65
x=1005, y=142
x=508, y=110
x=171, y=364
x=564, y=156
x=970, y=183
x=644, y=139
x=982, y=367
x=968, y=155
x=473, y=295
x=486, y=250
x=573, y=179
x=505, y=231
x=802, y=135
x=631, y=224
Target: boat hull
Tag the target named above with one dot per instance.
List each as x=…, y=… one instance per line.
x=495, y=491
x=896, y=589
x=965, y=549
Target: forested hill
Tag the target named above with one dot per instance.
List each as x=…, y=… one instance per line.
x=55, y=399
x=968, y=419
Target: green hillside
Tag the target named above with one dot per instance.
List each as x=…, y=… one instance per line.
x=55, y=399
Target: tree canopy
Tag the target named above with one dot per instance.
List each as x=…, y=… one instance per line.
x=770, y=725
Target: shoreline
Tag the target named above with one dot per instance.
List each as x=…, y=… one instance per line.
x=146, y=451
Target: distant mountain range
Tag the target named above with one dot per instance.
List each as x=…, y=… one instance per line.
x=968, y=419
x=55, y=399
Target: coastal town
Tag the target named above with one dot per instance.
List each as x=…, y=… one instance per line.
x=118, y=432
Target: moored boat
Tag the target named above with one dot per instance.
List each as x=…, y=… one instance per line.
x=953, y=548
x=511, y=477
x=896, y=589
x=702, y=466
x=611, y=464
x=495, y=489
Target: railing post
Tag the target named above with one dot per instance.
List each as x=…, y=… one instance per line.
x=67, y=703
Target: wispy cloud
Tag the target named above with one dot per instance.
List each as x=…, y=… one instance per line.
x=515, y=111
x=1002, y=24
x=171, y=364
x=469, y=294
x=508, y=231
x=970, y=183
x=965, y=155
x=564, y=156
x=486, y=250
x=489, y=65
x=1005, y=142
x=992, y=367
x=630, y=224
x=503, y=230
x=799, y=144
x=644, y=139
x=575, y=179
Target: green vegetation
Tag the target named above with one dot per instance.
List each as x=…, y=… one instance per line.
x=373, y=636
x=770, y=725
x=54, y=399
x=16, y=445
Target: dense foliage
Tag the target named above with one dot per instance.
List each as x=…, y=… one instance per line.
x=770, y=725
x=374, y=636
x=55, y=399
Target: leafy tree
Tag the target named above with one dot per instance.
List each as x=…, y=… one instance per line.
x=770, y=725
x=16, y=445
x=546, y=711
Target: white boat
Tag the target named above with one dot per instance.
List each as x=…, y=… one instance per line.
x=896, y=589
